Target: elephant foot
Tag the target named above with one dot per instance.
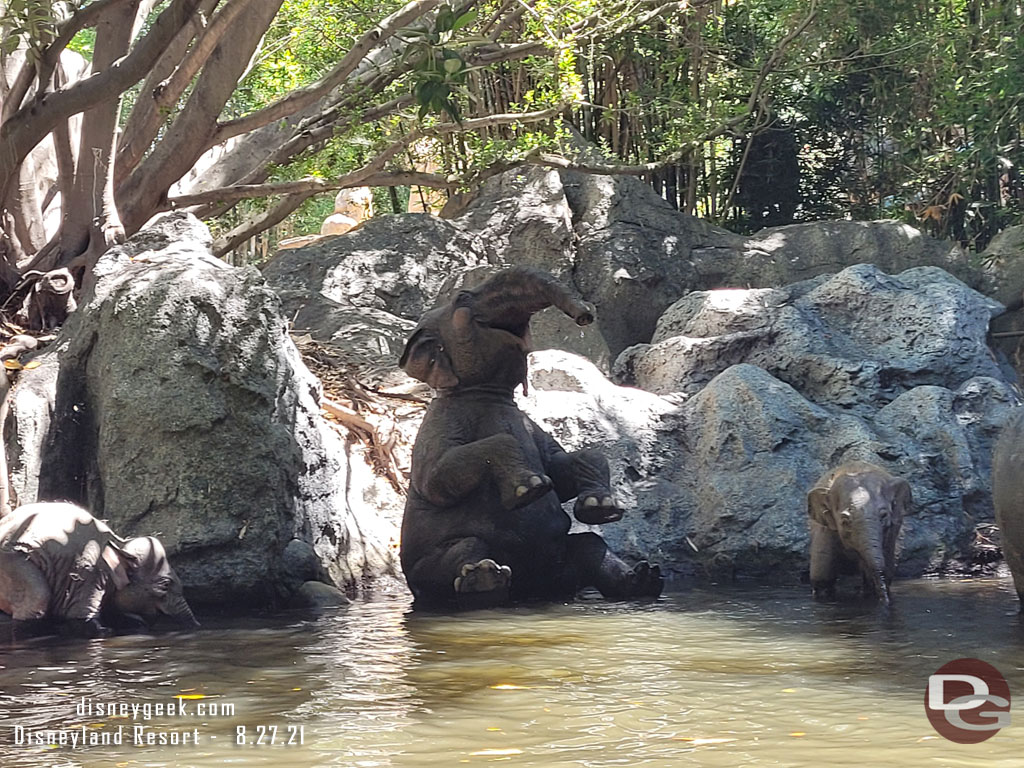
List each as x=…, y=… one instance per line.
x=596, y=509
x=483, y=585
x=82, y=628
x=646, y=580
x=25, y=629
x=824, y=592
x=643, y=580
x=527, y=490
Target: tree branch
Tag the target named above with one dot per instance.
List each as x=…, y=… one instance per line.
x=168, y=80
x=82, y=18
x=361, y=176
x=231, y=240
x=304, y=97
x=30, y=124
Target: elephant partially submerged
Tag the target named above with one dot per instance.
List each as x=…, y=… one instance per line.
x=855, y=514
x=483, y=522
x=59, y=565
x=1008, y=496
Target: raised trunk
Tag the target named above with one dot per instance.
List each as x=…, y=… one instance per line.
x=510, y=298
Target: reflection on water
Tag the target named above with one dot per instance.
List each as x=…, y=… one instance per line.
x=725, y=677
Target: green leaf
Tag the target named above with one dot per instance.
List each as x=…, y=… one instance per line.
x=445, y=19
x=464, y=20
x=451, y=66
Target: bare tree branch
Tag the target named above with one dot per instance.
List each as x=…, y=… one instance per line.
x=252, y=227
x=186, y=138
x=168, y=80
x=372, y=169
x=30, y=124
x=304, y=97
x=82, y=18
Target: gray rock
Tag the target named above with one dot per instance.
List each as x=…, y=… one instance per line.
x=522, y=217
x=857, y=339
x=319, y=596
x=180, y=408
x=393, y=263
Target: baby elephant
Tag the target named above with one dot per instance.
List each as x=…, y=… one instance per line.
x=59, y=565
x=855, y=513
x=483, y=523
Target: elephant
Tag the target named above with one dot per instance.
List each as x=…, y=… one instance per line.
x=483, y=523
x=61, y=566
x=855, y=513
x=1008, y=496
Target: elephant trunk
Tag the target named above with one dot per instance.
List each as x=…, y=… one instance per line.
x=180, y=611
x=508, y=299
x=873, y=566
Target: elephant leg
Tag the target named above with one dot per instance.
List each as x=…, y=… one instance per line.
x=82, y=628
x=463, y=571
x=461, y=468
x=596, y=565
x=585, y=475
x=24, y=591
x=824, y=561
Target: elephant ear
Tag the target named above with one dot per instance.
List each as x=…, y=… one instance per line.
x=425, y=358
x=902, y=499
x=120, y=564
x=817, y=507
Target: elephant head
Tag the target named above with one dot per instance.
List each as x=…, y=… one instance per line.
x=483, y=336
x=864, y=505
x=146, y=586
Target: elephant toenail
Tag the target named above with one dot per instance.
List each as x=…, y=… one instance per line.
x=607, y=502
x=535, y=481
x=521, y=490
x=590, y=501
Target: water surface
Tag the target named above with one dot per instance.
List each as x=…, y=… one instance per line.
x=758, y=676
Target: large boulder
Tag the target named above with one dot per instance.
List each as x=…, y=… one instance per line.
x=174, y=403
x=636, y=255
x=857, y=338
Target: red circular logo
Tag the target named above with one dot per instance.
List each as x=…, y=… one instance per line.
x=967, y=701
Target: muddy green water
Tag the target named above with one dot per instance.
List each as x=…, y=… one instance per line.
x=710, y=677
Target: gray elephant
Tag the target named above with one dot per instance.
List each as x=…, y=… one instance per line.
x=61, y=567
x=483, y=521
x=855, y=513
x=1008, y=496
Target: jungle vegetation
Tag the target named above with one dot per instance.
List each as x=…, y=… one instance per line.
x=749, y=113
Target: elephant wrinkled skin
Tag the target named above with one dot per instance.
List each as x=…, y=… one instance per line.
x=59, y=565
x=1008, y=496
x=855, y=514
x=483, y=521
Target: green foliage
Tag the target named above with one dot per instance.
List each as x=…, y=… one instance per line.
x=26, y=21
x=439, y=71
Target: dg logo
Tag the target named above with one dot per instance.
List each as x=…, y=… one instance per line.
x=967, y=701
